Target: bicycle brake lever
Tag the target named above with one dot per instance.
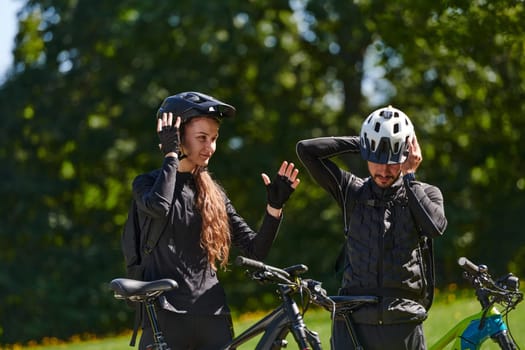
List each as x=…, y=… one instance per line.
x=267, y=276
x=258, y=275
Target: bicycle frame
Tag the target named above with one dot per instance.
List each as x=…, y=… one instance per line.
x=470, y=334
x=286, y=318
x=275, y=326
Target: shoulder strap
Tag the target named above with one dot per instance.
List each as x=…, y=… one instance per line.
x=427, y=252
x=136, y=324
x=426, y=247
x=352, y=198
x=152, y=239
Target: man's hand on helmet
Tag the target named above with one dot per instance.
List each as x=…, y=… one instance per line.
x=414, y=157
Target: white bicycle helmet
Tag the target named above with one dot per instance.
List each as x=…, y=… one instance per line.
x=385, y=136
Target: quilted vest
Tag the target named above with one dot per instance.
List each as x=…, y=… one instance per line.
x=382, y=255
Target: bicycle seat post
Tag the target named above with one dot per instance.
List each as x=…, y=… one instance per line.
x=145, y=293
x=158, y=337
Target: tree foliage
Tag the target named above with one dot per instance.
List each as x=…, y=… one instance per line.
x=78, y=124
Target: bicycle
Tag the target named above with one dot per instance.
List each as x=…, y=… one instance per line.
x=471, y=332
x=286, y=318
x=274, y=327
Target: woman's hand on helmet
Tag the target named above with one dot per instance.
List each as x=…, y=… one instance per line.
x=280, y=189
x=414, y=157
x=169, y=136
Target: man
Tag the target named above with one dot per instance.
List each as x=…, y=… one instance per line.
x=389, y=220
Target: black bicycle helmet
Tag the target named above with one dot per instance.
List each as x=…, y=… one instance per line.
x=192, y=104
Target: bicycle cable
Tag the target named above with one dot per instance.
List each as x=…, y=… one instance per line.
x=507, y=310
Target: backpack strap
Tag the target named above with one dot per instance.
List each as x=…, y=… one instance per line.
x=426, y=248
x=136, y=324
x=152, y=239
x=353, y=194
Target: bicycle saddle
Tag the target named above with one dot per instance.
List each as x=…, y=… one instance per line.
x=351, y=302
x=127, y=288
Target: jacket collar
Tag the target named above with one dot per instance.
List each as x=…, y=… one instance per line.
x=386, y=192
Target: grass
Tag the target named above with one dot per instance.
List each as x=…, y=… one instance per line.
x=444, y=314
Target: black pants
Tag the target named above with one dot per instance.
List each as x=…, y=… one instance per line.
x=405, y=336
x=191, y=332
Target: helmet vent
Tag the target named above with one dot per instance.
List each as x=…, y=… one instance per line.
x=396, y=147
x=387, y=114
x=396, y=128
x=193, y=97
x=377, y=126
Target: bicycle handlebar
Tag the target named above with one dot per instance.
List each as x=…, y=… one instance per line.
x=489, y=291
x=258, y=265
x=504, y=291
x=468, y=265
x=285, y=275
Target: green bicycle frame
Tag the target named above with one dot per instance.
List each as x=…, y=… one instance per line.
x=467, y=334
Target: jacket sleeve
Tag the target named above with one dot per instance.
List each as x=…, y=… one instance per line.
x=153, y=192
x=315, y=155
x=426, y=204
x=254, y=245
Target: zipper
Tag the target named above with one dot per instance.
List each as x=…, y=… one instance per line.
x=380, y=263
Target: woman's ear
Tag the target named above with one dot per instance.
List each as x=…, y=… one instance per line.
x=181, y=144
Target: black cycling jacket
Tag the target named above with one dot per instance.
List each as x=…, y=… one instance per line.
x=383, y=228
x=166, y=199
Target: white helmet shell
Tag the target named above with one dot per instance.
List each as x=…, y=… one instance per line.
x=385, y=136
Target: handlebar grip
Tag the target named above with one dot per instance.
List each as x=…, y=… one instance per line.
x=242, y=261
x=258, y=265
x=468, y=265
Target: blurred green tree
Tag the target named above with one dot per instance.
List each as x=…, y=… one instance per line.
x=78, y=124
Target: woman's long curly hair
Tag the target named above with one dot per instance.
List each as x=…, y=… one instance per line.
x=215, y=234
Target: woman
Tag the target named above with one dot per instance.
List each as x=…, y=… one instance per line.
x=199, y=222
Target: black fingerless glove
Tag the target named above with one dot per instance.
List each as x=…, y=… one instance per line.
x=278, y=191
x=169, y=140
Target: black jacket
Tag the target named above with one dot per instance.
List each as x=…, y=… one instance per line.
x=166, y=201
x=385, y=230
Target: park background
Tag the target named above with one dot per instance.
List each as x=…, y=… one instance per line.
x=77, y=124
